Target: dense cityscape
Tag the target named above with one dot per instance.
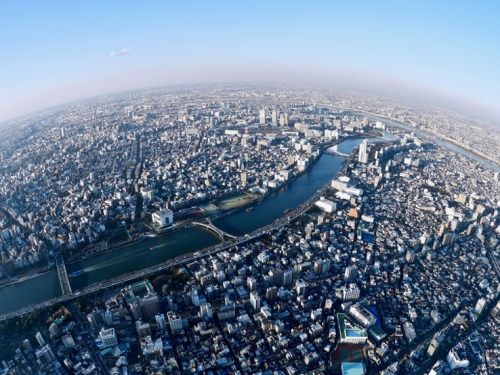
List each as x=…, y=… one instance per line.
x=391, y=267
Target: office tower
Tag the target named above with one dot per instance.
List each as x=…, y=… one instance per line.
x=68, y=341
x=108, y=337
x=206, y=310
x=212, y=122
x=135, y=309
x=287, y=277
x=160, y=321
x=63, y=133
x=277, y=275
x=282, y=119
x=350, y=292
x=271, y=293
x=251, y=284
x=301, y=288
x=27, y=345
x=143, y=329
x=45, y=356
x=54, y=331
x=255, y=300
x=286, y=119
x=274, y=117
x=262, y=116
x=351, y=273
x=150, y=305
x=40, y=339
x=363, y=152
x=410, y=256
x=174, y=321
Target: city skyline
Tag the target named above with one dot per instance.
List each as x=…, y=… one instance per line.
x=437, y=54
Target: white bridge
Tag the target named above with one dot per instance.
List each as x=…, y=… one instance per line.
x=212, y=227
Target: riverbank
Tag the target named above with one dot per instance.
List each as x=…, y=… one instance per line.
x=19, y=279
x=431, y=133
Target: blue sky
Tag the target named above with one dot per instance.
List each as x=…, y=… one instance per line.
x=439, y=51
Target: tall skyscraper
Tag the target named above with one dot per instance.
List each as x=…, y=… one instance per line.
x=262, y=116
x=363, y=152
x=40, y=339
x=274, y=117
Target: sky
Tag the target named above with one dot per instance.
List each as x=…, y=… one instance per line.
x=441, y=53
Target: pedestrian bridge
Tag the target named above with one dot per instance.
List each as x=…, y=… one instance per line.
x=223, y=235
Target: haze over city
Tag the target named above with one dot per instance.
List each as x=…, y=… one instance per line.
x=439, y=53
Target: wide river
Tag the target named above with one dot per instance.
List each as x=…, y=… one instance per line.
x=139, y=256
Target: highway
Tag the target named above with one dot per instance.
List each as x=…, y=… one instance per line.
x=290, y=216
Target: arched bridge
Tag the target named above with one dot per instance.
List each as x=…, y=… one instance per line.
x=212, y=227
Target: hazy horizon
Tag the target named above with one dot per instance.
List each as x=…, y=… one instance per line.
x=432, y=54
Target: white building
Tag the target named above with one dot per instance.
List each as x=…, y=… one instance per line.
x=326, y=205
x=108, y=337
x=480, y=305
x=160, y=321
x=163, y=217
x=363, y=152
x=206, y=310
x=68, y=341
x=457, y=357
x=174, y=321
x=255, y=300
x=351, y=292
x=362, y=315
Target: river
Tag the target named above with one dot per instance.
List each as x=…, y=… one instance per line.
x=437, y=140
x=139, y=255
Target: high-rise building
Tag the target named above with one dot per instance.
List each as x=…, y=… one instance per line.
x=150, y=305
x=274, y=117
x=40, y=339
x=108, y=337
x=206, y=310
x=174, y=321
x=255, y=300
x=286, y=118
x=68, y=341
x=351, y=292
x=54, y=331
x=277, y=275
x=282, y=119
x=363, y=152
x=410, y=256
x=92, y=321
x=251, y=284
x=27, y=345
x=143, y=329
x=195, y=299
x=271, y=293
x=45, y=356
x=351, y=273
x=262, y=116
x=301, y=288
x=160, y=321
x=287, y=277
x=135, y=309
